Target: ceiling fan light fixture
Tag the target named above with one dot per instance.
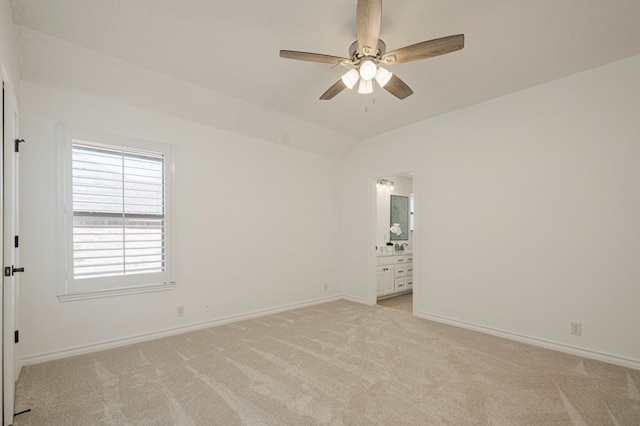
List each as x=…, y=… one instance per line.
x=369, y=52
x=366, y=87
x=368, y=69
x=350, y=78
x=383, y=76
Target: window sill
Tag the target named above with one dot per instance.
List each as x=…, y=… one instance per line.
x=122, y=291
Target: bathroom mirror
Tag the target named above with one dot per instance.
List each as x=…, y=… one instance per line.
x=400, y=215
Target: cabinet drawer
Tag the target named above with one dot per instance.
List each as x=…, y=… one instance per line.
x=409, y=258
x=400, y=271
x=400, y=284
x=400, y=259
x=408, y=283
x=409, y=269
x=386, y=260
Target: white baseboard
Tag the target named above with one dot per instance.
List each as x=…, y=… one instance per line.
x=360, y=300
x=94, y=347
x=109, y=344
x=547, y=344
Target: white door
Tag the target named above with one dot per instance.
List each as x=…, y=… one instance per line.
x=10, y=257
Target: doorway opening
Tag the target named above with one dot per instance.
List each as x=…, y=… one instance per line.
x=394, y=237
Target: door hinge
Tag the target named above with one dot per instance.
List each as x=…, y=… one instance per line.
x=16, y=241
x=16, y=336
x=18, y=142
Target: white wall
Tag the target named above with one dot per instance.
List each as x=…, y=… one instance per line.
x=8, y=52
x=528, y=210
x=58, y=63
x=527, y=207
x=255, y=226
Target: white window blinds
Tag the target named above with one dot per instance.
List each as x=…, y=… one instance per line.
x=118, y=198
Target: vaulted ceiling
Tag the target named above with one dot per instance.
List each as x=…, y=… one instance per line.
x=231, y=48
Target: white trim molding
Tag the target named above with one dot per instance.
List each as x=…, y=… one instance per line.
x=360, y=300
x=69, y=286
x=535, y=341
x=79, y=295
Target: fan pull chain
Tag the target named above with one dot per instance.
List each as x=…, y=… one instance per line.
x=366, y=100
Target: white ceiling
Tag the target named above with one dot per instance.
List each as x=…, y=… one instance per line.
x=231, y=47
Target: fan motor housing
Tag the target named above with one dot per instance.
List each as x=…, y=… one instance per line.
x=355, y=55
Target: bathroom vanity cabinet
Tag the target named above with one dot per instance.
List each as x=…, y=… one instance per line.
x=394, y=274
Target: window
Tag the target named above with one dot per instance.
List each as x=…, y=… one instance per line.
x=116, y=222
x=118, y=212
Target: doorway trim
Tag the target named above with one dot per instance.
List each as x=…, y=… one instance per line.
x=372, y=258
x=8, y=228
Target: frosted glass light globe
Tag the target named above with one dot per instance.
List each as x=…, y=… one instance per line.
x=368, y=69
x=350, y=79
x=383, y=76
x=366, y=87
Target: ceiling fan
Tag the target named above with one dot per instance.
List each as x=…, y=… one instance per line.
x=368, y=54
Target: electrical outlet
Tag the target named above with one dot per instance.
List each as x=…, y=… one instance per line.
x=576, y=328
x=180, y=311
x=326, y=287
x=206, y=308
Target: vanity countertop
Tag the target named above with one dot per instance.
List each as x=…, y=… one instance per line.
x=396, y=253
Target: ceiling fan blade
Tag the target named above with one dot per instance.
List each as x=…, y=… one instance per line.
x=313, y=57
x=333, y=90
x=368, y=25
x=426, y=49
x=398, y=88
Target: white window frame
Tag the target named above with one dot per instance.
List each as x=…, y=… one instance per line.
x=87, y=288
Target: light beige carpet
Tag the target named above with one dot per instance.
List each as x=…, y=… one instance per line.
x=337, y=363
